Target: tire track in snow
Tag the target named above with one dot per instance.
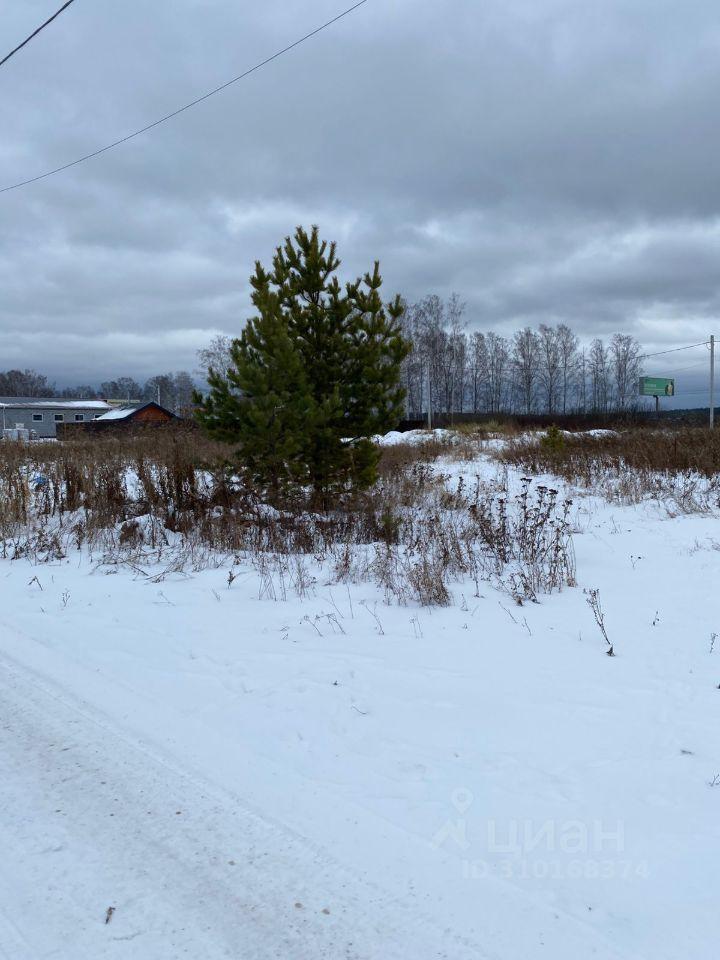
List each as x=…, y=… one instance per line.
x=89, y=820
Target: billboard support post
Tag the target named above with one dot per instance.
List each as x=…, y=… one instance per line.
x=657, y=387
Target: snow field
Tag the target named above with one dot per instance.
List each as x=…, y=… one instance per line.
x=479, y=780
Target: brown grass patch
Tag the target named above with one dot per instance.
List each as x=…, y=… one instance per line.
x=678, y=466
x=173, y=498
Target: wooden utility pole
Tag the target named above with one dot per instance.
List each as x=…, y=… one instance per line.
x=712, y=381
x=429, y=398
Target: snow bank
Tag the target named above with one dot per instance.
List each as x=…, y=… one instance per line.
x=413, y=437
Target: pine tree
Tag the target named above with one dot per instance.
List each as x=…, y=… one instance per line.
x=314, y=375
x=262, y=401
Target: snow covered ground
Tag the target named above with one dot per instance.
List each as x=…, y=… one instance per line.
x=219, y=775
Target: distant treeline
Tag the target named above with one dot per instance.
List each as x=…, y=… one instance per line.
x=565, y=421
x=174, y=390
x=543, y=371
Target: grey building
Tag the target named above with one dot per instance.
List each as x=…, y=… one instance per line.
x=41, y=417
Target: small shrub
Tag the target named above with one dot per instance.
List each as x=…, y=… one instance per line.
x=553, y=440
x=130, y=534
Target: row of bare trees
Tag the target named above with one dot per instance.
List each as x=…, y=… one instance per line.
x=24, y=383
x=545, y=371
x=174, y=390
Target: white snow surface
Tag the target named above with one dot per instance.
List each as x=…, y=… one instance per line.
x=122, y=413
x=413, y=437
x=56, y=404
x=334, y=777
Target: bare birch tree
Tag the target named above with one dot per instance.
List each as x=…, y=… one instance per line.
x=478, y=373
x=525, y=362
x=568, y=345
x=599, y=374
x=549, y=369
x=626, y=368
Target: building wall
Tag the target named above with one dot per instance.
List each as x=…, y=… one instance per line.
x=150, y=414
x=46, y=427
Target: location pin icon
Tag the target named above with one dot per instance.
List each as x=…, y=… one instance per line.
x=462, y=800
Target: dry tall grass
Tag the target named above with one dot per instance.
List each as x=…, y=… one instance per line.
x=678, y=467
x=173, y=498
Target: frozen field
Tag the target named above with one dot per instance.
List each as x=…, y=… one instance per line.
x=190, y=770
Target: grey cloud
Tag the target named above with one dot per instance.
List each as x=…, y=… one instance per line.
x=549, y=161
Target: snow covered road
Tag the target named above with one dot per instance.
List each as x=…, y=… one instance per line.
x=91, y=820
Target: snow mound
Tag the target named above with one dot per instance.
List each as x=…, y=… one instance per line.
x=413, y=437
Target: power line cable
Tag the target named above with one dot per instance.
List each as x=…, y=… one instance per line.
x=187, y=106
x=36, y=32
x=692, y=366
x=692, y=393
x=661, y=353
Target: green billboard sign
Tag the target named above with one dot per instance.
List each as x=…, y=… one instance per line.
x=657, y=387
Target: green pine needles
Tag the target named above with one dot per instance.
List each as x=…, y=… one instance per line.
x=313, y=376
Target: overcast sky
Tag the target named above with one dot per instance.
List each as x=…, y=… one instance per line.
x=549, y=160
